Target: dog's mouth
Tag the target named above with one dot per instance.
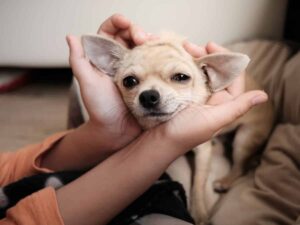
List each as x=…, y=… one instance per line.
x=158, y=114
x=153, y=117
x=161, y=114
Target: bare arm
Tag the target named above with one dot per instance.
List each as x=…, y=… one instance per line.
x=82, y=148
x=100, y=194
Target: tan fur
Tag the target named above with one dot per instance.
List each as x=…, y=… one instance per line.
x=210, y=165
x=154, y=64
x=252, y=130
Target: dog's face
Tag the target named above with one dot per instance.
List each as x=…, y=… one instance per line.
x=159, y=78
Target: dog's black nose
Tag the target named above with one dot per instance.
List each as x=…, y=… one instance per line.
x=149, y=99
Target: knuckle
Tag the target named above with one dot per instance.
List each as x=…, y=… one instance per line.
x=114, y=17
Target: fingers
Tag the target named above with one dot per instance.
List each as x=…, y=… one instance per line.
x=122, y=30
x=113, y=25
x=212, y=47
x=75, y=47
x=195, y=50
x=228, y=112
x=79, y=63
x=198, y=51
x=133, y=35
x=138, y=35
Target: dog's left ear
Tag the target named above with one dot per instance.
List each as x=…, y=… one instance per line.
x=222, y=68
x=103, y=52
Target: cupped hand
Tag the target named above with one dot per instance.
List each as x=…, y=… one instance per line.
x=102, y=100
x=198, y=123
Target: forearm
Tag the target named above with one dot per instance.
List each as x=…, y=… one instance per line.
x=82, y=148
x=108, y=188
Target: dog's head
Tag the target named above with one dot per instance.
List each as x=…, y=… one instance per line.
x=159, y=78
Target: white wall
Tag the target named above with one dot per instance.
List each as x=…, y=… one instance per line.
x=33, y=31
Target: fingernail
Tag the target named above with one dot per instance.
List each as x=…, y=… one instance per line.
x=141, y=35
x=259, y=99
x=151, y=36
x=192, y=45
x=195, y=50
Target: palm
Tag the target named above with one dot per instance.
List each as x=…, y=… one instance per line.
x=102, y=99
x=100, y=95
x=196, y=124
x=195, y=119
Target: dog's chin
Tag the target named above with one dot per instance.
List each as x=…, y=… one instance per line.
x=147, y=123
x=152, y=119
x=149, y=119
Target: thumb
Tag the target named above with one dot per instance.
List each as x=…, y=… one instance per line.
x=232, y=110
x=75, y=47
x=81, y=67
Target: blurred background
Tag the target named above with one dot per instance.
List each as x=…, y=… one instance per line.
x=34, y=71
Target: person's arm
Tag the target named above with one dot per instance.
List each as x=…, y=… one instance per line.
x=100, y=194
x=104, y=191
x=83, y=148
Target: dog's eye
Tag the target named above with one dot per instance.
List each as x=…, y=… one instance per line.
x=180, y=77
x=130, y=81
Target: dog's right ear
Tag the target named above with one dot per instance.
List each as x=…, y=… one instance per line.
x=222, y=68
x=104, y=53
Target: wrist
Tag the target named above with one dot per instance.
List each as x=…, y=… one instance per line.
x=179, y=139
x=112, y=138
x=163, y=143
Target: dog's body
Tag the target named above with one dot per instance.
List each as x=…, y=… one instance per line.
x=212, y=169
x=158, y=79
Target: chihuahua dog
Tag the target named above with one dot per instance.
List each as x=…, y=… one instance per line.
x=159, y=78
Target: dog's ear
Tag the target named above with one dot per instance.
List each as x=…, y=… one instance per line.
x=104, y=53
x=222, y=68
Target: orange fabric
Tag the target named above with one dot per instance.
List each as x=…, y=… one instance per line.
x=41, y=207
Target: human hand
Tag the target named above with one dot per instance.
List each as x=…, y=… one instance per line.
x=102, y=100
x=198, y=123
